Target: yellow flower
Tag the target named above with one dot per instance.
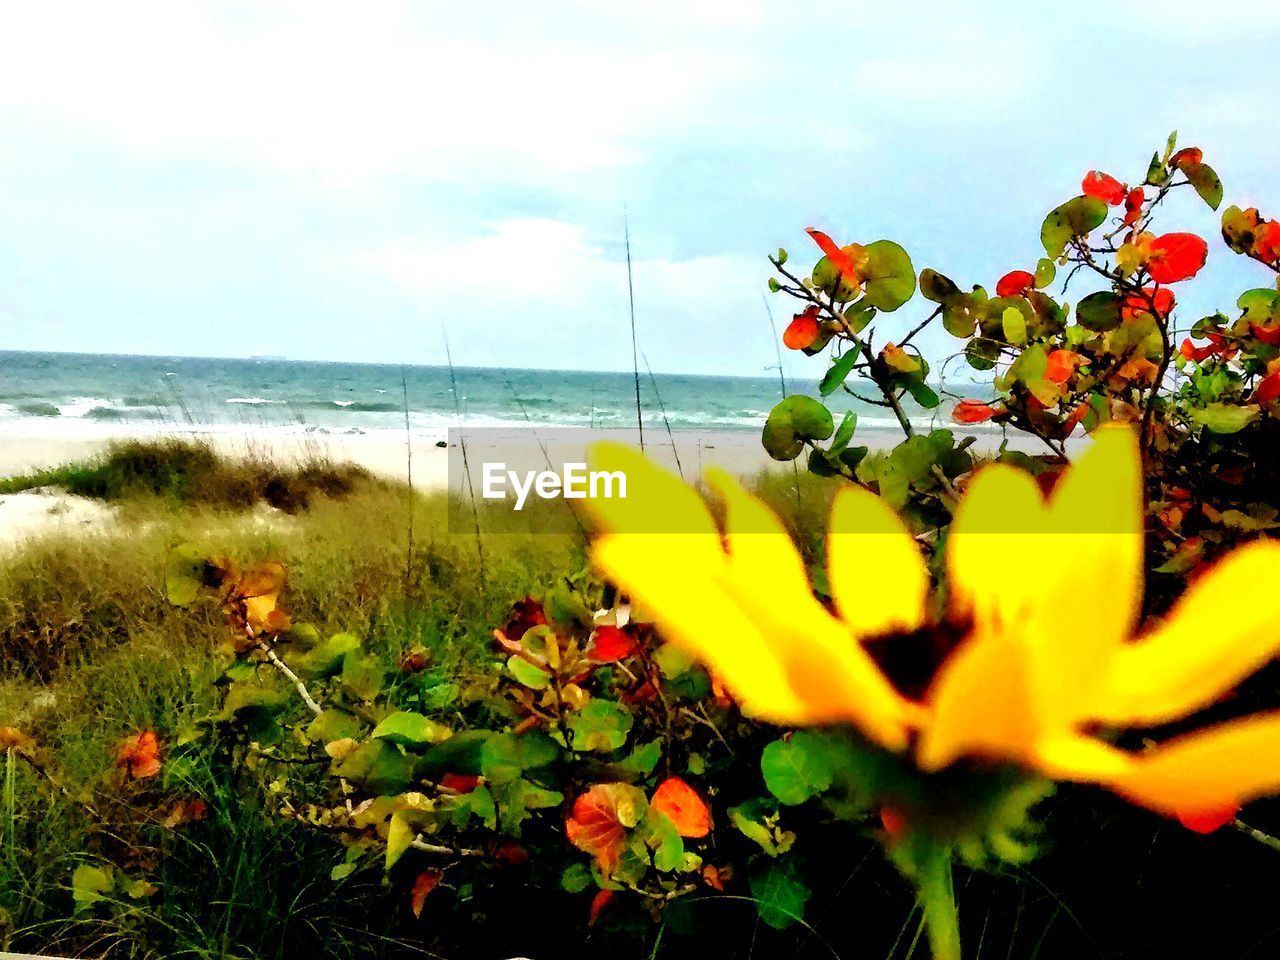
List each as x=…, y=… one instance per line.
x=1043, y=596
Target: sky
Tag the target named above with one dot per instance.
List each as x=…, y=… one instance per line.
x=343, y=181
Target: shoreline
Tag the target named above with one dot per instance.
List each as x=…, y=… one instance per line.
x=384, y=453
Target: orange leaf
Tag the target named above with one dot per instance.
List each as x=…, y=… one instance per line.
x=610, y=643
x=1190, y=351
x=840, y=258
x=599, y=821
x=1266, y=241
x=713, y=877
x=1186, y=157
x=801, y=331
x=1103, y=187
x=973, y=411
x=1176, y=256
x=598, y=903
x=1207, y=821
x=1268, y=335
x=679, y=801
x=1015, y=283
x=139, y=756
x=1062, y=364
x=426, y=882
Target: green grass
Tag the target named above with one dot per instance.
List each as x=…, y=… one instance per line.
x=93, y=652
x=191, y=473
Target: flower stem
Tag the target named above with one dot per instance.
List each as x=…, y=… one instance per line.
x=938, y=900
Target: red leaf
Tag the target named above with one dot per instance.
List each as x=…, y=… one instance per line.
x=1176, y=256
x=1073, y=420
x=894, y=822
x=839, y=259
x=679, y=801
x=611, y=643
x=802, y=331
x=1133, y=202
x=459, y=782
x=598, y=903
x=1207, y=821
x=1062, y=364
x=1186, y=157
x=1190, y=351
x=425, y=883
x=1103, y=187
x=1268, y=335
x=139, y=756
x=1015, y=284
x=525, y=614
x=1134, y=304
x=973, y=411
x=598, y=822
x=1268, y=389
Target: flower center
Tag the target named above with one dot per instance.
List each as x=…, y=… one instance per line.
x=910, y=660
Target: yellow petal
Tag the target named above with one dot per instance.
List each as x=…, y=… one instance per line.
x=1222, y=767
x=981, y=705
x=877, y=575
x=996, y=547
x=829, y=671
x=1225, y=628
x=656, y=501
x=691, y=609
x=1092, y=593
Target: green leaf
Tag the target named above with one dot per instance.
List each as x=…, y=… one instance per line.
x=780, y=895
x=89, y=885
x=797, y=769
x=936, y=287
x=1224, y=417
x=922, y=393
x=377, y=766
x=600, y=726
x=661, y=836
x=399, y=836
x=844, y=433
x=326, y=658
x=793, y=421
x=250, y=703
x=411, y=730
x=758, y=823
x=1045, y=272
x=1099, y=311
x=961, y=313
x=332, y=725
x=461, y=753
x=517, y=798
x=362, y=676
x=1015, y=326
x=1206, y=183
x=576, y=878
x=642, y=760
x=528, y=674
x=1157, y=175
x=890, y=277
x=184, y=574
x=840, y=368
x=505, y=757
x=1078, y=217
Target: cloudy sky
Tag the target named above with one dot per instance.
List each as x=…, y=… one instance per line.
x=345, y=181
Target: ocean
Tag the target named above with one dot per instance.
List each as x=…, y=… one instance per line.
x=107, y=395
